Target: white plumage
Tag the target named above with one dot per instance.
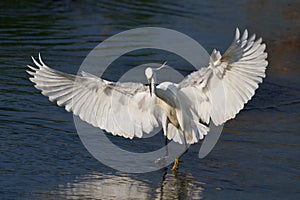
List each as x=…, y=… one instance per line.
x=183, y=110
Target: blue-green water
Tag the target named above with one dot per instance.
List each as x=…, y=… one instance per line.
x=42, y=156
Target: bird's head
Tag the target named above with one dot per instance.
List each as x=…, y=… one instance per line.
x=151, y=76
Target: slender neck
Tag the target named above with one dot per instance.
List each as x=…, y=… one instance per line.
x=152, y=85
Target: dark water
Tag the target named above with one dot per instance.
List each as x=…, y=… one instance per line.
x=42, y=156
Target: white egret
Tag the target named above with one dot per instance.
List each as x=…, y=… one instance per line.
x=182, y=110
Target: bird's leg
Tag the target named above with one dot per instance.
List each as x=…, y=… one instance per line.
x=175, y=165
x=176, y=162
x=163, y=160
x=166, y=145
x=165, y=129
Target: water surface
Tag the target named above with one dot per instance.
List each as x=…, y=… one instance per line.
x=42, y=156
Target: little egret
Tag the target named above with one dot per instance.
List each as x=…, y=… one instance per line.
x=183, y=110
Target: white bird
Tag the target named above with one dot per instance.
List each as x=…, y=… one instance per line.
x=182, y=110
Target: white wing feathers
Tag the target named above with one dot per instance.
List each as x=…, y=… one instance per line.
x=103, y=104
x=220, y=91
x=215, y=93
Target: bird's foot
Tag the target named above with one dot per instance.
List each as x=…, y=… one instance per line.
x=175, y=165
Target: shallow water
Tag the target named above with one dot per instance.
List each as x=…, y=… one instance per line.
x=42, y=156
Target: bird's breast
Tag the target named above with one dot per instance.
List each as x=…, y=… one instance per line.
x=170, y=112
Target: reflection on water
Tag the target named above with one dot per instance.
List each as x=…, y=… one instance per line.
x=41, y=154
x=94, y=186
x=180, y=186
x=123, y=186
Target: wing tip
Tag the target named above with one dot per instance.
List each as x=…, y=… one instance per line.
x=39, y=64
x=237, y=33
x=41, y=60
x=32, y=79
x=30, y=72
x=245, y=34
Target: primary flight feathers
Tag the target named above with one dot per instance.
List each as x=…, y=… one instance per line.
x=128, y=110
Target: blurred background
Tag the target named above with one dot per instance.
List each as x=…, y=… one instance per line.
x=41, y=154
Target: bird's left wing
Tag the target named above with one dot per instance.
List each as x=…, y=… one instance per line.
x=220, y=91
x=124, y=109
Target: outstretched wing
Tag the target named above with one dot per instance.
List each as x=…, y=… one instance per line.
x=220, y=91
x=124, y=109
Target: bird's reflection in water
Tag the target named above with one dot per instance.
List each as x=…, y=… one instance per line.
x=126, y=186
x=179, y=185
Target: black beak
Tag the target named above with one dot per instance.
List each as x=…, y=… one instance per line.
x=150, y=88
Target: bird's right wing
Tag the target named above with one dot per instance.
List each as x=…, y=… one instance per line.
x=220, y=91
x=124, y=109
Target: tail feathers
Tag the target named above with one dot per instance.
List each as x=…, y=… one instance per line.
x=196, y=132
